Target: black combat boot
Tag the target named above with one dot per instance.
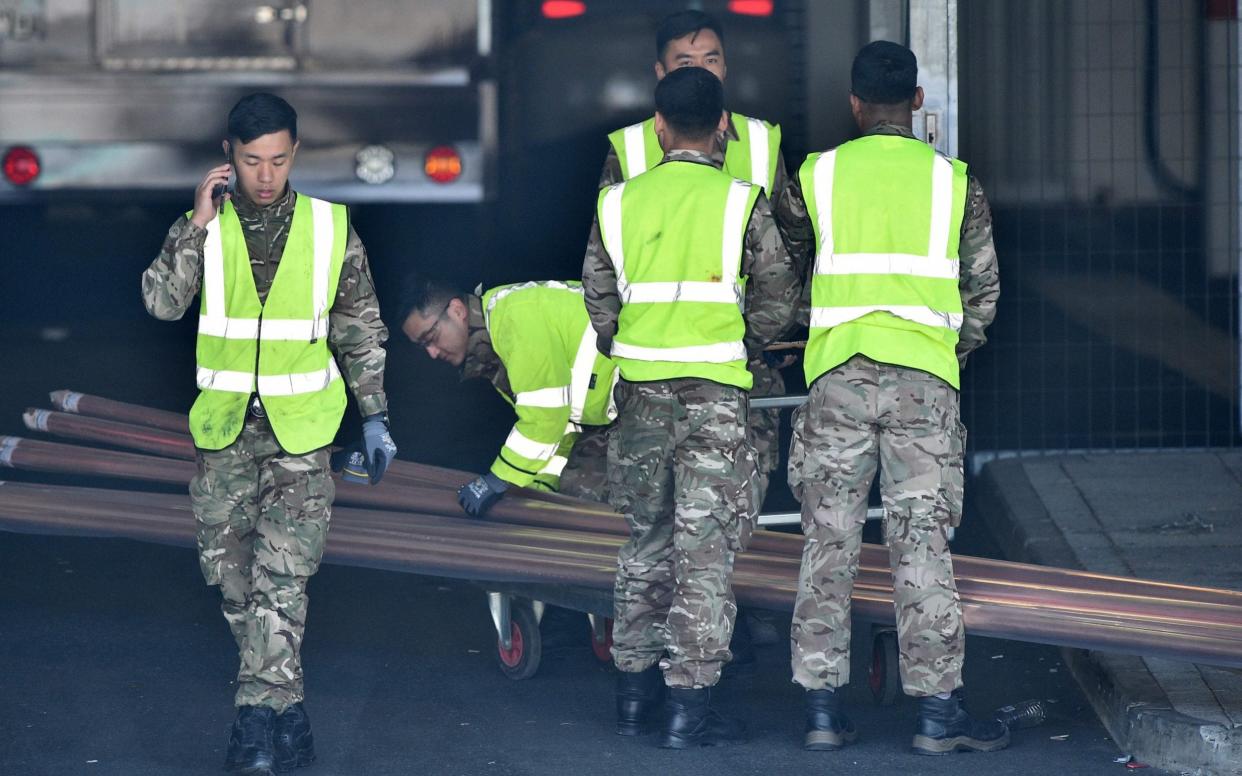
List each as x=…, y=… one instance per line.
x=250, y=742
x=295, y=746
x=827, y=727
x=944, y=727
x=691, y=722
x=638, y=698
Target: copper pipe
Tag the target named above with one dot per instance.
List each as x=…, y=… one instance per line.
x=602, y=519
x=1008, y=581
x=36, y=455
x=147, y=439
x=99, y=407
x=464, y=548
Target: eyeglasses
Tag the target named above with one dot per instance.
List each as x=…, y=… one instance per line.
x=429, y=337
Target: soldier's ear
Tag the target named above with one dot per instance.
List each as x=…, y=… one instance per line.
x=457, y=310
x=917, y=102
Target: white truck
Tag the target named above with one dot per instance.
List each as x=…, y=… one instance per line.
x=394, y=97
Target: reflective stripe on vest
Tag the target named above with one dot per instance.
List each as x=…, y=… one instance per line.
x=277, y=346
x=726, y=290
x=529, y=448
x=752, y=158
x=635, y=150
x=268, y=385
x=936, y=263
x=675, y=239
x=576, y=393
x=887, y=212
x=758, y=153
x=213, y=320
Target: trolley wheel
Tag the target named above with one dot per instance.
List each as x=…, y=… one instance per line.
x=602, y=647
x=885, y=678
x=521, y=659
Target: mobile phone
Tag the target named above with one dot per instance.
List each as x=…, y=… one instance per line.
x=221, y=188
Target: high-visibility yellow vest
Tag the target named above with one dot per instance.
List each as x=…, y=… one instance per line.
x=887, y=212
x=675, y=236
x=560, y=381
x=277, y=348
x=752, y=157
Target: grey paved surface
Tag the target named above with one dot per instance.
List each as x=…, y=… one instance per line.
x=1170, y=516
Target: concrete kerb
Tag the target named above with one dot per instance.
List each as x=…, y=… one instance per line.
x=1129, y=701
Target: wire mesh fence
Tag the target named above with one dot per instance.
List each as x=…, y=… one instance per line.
x=1107, y=137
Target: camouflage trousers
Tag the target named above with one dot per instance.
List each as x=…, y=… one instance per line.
x=586, y=474
x=681, y=470
x=764, y=426
x=856, y=416
x=262, y=518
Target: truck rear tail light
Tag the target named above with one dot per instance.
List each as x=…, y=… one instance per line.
x=21, y=165
x=562, y=9
x=442, y=164
x=751, y=7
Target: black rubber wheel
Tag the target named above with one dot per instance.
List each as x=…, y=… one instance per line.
x=885, y=678
x=521, y=660
x=602, y=647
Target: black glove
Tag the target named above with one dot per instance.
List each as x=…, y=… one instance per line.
x=777, y=359
x=353, y=461
x=377, y=446
x=481, y=493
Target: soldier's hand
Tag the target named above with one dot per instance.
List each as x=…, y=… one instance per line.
x=481, y=493
x=206, y=203
x=377, y=445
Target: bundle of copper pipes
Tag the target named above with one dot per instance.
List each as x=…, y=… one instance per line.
x=411, y=523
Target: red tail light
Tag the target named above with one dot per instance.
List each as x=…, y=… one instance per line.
x=751, y=7
x=562, y=9
x=442, y=164
x=21, y=165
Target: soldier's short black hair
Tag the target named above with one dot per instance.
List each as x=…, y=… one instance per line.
x=884, y=73
x=422, y=295
x=684, y=23
x=691, y=101
x=259, y=114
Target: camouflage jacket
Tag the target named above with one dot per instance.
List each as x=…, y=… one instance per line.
x=481, y=359
x=978, y=279
x=356, y=334
x=771, y=290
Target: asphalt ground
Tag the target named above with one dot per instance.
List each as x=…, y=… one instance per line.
x=117, y=661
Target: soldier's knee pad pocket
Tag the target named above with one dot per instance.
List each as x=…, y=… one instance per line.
x=307, y=508
x=212, y=500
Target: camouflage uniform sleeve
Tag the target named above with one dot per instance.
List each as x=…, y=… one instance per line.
x=599, y=287
x=979, y=278
x=356, y=334
x=612, y=169
x=795, y=224
x=772, y=287
x=172, y=280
